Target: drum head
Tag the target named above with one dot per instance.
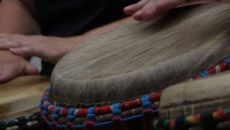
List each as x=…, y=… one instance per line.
x=140, y=58
x=21, y=96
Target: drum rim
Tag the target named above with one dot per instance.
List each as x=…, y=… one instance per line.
x=48, y=108
x=148, y=105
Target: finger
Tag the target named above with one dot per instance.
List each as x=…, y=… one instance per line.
x=6, y=75
x=147, y=12
x=7, y=43
x=130, y=10
x=31, y=69
x=31, y=51
x=154, y=8
x=24, y=51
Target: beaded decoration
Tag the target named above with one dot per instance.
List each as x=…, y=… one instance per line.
x=222, y=66
x=104, y=115
x=65, y=117
x=205, y=119
x=33, y=122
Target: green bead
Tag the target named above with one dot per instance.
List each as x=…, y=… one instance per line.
x=166, y=123
x=227, y=111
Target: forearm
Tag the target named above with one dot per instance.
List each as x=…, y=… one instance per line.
x=17, y=18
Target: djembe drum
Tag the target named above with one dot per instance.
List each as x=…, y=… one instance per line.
x=196, y=105
x=19, y=101
x=114, y=80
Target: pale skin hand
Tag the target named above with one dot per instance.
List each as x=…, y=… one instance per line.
x=15, y=19
x=50, y=49
x=12, y=66
x=148, y=9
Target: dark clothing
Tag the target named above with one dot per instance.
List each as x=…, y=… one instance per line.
x=65, y=18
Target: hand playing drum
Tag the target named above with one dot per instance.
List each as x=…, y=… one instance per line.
x=148, y=9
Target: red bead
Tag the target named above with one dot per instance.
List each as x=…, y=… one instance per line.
x=211, y=70
x=63, y=112
x=116, y=118
x=102, y=110
x=97, y=110
x=172, y=123
x=82, y=112
x=89, y=123
x=44, y=102
x=221, y=113
x=105, y=109
x=223, y=66
x=147, y=111
x=197, y=77
x=51, y=108
x=197, y=117
x=155, y=96
x=70, y=124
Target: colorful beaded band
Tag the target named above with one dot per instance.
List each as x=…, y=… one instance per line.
x=205, y=119
x=71, y=117
x=222, y=66
x=104, y=115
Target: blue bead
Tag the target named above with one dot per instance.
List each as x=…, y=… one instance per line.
x=204, y=74
x=55, y=116
x=70, y=118
x=48, y=90
x=71, y=111
x=91, y=110
x=47, y=105
x=145, y=101
x=41, y=107
x=90, y=114
x=45, y=113
x=227, y=59
x=116, y=109
x=45, y=98
x=57, y=109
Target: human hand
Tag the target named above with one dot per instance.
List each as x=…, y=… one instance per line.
x=50, y=49
x=12, y=66
x=147, y=9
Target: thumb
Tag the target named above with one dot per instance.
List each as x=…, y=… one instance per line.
x=31, y=69
x=6, y=75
